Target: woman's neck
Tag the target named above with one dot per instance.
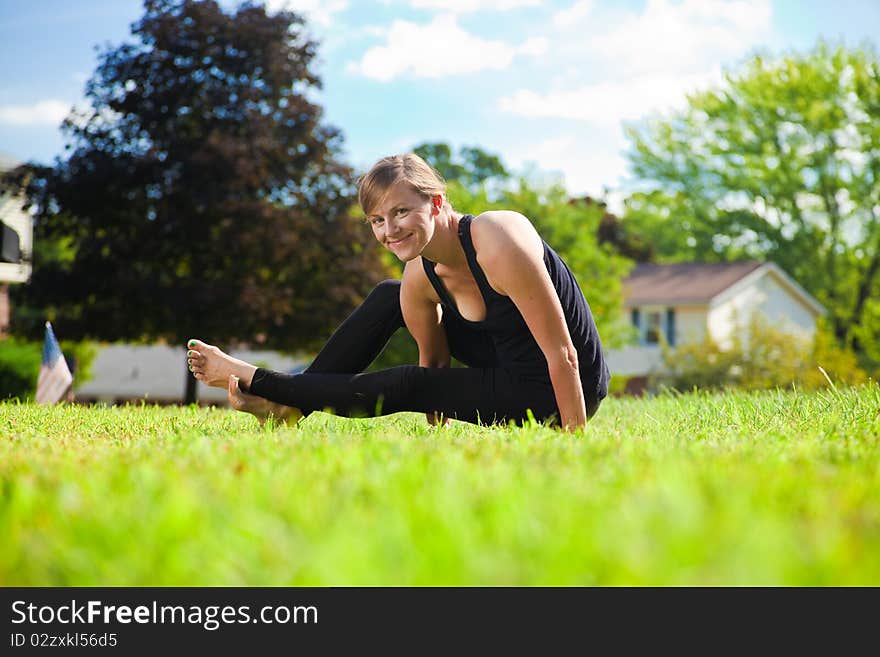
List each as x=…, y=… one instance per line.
x=445, y=246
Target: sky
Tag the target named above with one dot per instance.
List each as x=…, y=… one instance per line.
x=546, y=85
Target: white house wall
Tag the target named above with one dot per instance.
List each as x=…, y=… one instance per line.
x=768, y=296
x=643, y=360
x=13, y=215
x=634, y=360
x=690, y=324
x=158, y=373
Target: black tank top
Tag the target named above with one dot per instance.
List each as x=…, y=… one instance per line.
x=515, y=346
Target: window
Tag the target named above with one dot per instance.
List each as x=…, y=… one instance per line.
x=651, y=323
x=652, y=327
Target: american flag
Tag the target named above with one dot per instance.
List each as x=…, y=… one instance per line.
x=55, y=377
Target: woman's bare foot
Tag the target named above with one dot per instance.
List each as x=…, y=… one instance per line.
x=213, y=367
x=260, y=408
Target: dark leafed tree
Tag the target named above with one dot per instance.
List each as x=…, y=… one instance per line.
x=202, y=196
x=613, y=232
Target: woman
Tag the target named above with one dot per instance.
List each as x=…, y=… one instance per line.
x=487, y=290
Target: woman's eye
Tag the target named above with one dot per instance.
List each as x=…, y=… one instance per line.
x=377, y=221
x=401, y=210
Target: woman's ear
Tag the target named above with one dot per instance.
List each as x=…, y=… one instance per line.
x=437, y=203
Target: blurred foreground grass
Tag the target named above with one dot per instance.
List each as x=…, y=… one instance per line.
x=778, y=488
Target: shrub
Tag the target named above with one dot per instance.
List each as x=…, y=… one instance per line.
x=767, y=358
x=20, y=365
x=19, y=368
x=83, y=354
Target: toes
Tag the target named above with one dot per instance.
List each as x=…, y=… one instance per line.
x=194, y=365
x=197, y=345
x=194, y=361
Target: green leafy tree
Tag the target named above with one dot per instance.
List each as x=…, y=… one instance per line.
x=203, y=196
x=472, y=166
x=781, y=162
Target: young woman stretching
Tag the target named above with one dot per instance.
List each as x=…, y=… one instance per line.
x=486, y=290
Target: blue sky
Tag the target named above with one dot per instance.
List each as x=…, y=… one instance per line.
x=546, y=85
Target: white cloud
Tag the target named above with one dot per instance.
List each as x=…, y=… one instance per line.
x=467, y=6
x=609, y=102
x=573, y=14
x=535, y=46
x=319, y=11
x=43, y=112
x=587, y=167
x=423, y=51
x=683, y=36
x=649, y=61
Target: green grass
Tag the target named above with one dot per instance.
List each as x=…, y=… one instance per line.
x=778, y=488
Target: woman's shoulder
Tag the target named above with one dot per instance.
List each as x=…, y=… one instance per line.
x=505, y=231
x=500, y=219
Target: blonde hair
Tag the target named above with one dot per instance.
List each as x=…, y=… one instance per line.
x=409, y=167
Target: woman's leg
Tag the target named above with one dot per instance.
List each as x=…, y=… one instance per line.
x=482, y=392
x=471, y=394
x=351, y=348
x=260, y=408
x=363, y=335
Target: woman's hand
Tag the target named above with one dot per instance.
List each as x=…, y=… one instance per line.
x=435, y=419
x=260, y=408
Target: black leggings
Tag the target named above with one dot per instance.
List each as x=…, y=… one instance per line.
x=482, y=392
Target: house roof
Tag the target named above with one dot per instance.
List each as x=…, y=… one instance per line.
x=7, y=162
x=683, y=283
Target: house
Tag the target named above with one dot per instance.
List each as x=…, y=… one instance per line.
x=16, y=239
x=681, y=303
x=156, y=374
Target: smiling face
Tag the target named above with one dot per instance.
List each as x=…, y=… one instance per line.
x=403, y=222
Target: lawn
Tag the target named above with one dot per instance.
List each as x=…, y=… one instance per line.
x=775, y=488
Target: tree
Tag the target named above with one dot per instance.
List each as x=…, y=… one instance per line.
x=203, y=195
x=781, y=162
x=472, y=167
x=617, y=234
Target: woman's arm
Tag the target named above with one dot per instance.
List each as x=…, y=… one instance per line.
x=511, y=254
x=422, y=315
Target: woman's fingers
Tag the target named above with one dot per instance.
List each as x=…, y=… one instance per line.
x=233, y=393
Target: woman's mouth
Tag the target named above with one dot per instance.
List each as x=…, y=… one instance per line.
x=398, y=242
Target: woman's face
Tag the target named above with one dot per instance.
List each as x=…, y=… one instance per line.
x=404, y=221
